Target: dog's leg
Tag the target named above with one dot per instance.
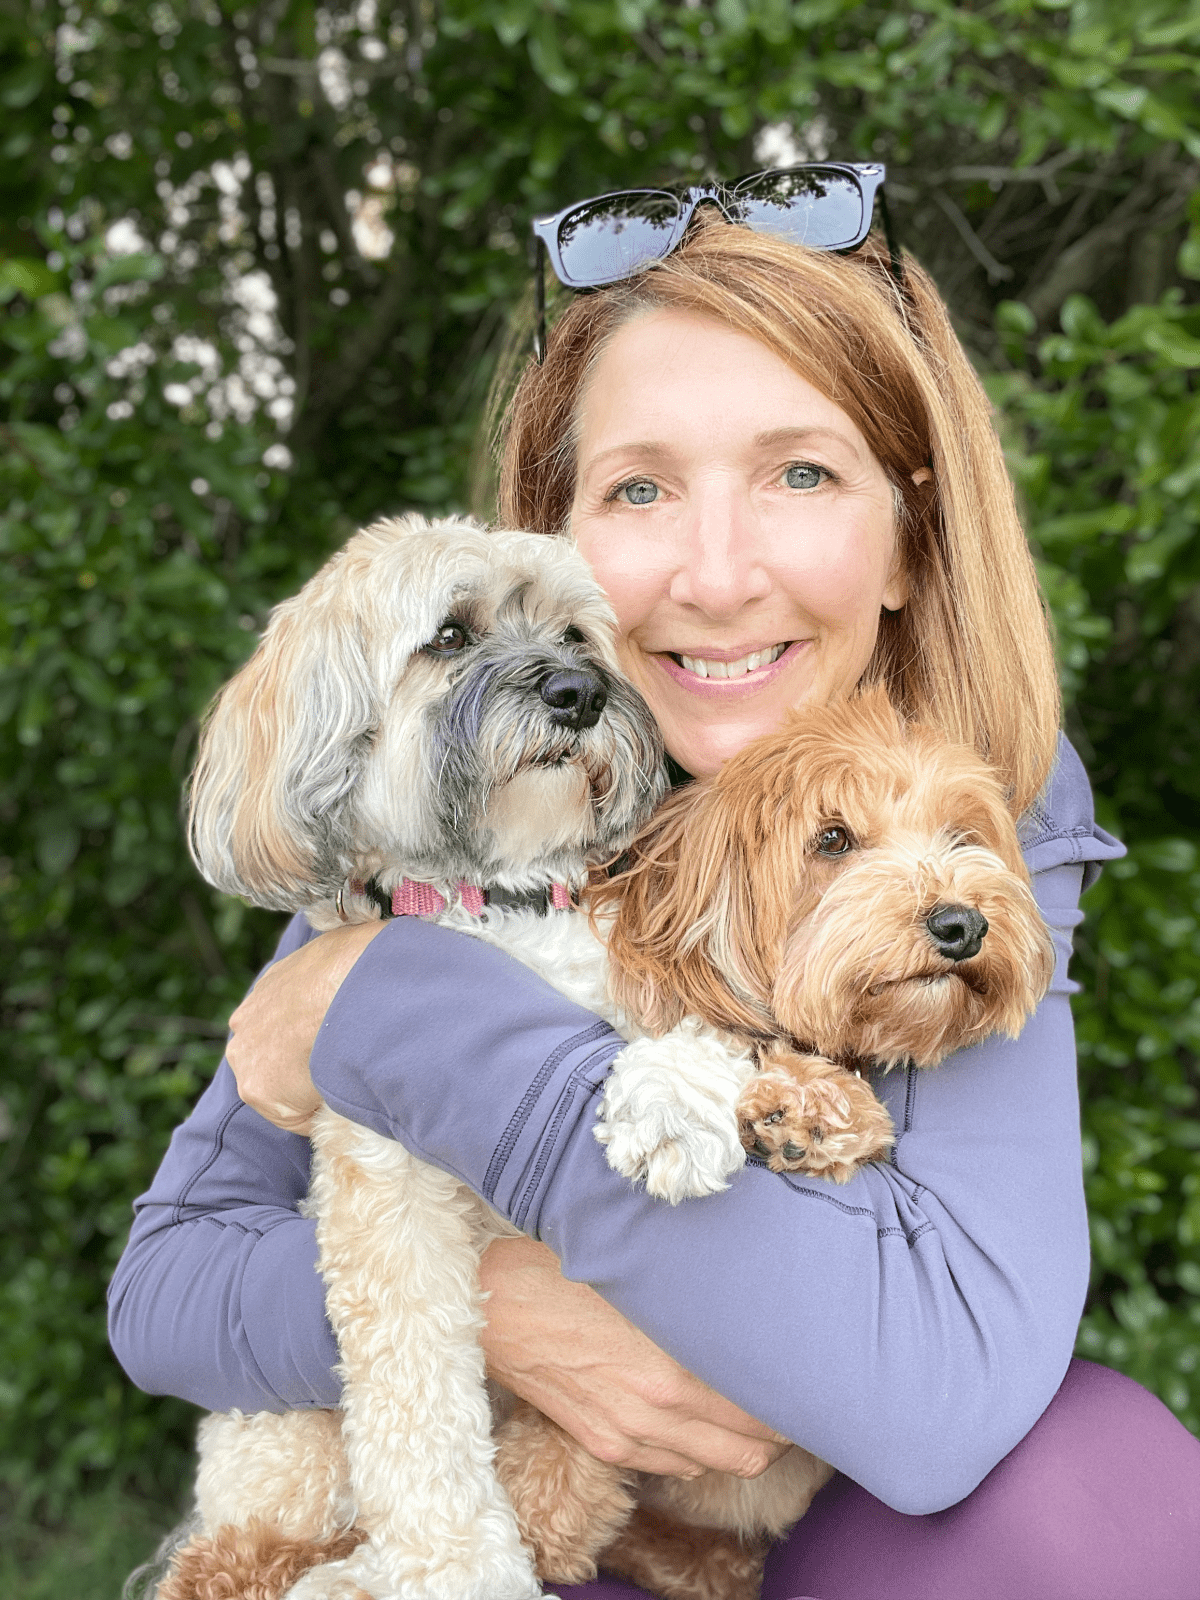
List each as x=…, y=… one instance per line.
x=569, y=1506
x=669, y=1113
x=770, y=1504
x=807, y=1114
x=705, y=1538
x=399, y=1255
x=673, y=1559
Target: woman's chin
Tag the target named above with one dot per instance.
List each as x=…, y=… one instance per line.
x=704, y=723
x=702, y=745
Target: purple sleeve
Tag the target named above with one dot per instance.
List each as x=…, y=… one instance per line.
x=216, y=1297
x=909, y=1327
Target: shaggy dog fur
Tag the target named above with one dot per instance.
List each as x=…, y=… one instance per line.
x=443, y=705
x=848, y=895
x=439, y=705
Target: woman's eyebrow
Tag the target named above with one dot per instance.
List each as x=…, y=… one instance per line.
x=778, y=436
x=652, y=448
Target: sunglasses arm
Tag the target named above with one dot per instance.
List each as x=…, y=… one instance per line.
x=895, y=259
x=539, y=292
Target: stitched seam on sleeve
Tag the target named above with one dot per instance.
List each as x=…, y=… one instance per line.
x=900, y=1233
x=565, y=1101
x=218, y=1146
x=530, y=1098
x=910, y=1097
x=910, y=1237
x=228, y=1222
x=828, y=1199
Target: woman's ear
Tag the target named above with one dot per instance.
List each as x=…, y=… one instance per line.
x=281, y=751
x=896, y=593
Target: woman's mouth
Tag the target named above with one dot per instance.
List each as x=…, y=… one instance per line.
x=705, y=667
x=705, y=673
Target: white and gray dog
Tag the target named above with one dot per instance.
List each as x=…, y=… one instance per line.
x=437, y=724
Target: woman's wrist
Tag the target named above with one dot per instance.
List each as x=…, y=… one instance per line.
x=560, y=1346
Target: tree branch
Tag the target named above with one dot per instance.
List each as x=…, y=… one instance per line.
x=332, y=385
x=1083, y=262
x=335, y=205
x=996, y=270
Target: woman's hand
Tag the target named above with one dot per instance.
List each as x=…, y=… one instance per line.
x=276, y=1025
x=560, y=1346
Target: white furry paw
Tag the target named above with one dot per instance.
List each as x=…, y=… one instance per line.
x=668, y=1123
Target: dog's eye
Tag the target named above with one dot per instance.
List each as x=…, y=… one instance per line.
x=450, y=638
x=833, y=841
x=572, y=636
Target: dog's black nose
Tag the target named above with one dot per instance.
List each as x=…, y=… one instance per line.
x=957, y=931
x=576, y=699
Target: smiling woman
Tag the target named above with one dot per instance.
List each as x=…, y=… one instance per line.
x=782, y=469
x=808, y=460
x=747, y=562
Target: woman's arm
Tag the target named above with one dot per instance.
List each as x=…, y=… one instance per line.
x=217, y=1298
x=909, y=1327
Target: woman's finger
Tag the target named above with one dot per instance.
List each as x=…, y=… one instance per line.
x=561, y=1347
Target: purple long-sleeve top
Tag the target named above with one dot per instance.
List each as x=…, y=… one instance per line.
x=909, y=1327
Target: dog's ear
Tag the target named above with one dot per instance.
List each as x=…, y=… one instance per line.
x=280, y=752
x=682, y=939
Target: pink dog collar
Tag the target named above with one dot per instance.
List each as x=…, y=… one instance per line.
x=411, y=899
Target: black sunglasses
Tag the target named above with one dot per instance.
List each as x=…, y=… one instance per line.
x=826, y=205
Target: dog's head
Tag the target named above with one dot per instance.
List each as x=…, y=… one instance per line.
x=851, y=881
x=439, y=701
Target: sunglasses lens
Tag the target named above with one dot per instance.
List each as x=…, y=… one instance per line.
x=819, y=207
x=607, y=239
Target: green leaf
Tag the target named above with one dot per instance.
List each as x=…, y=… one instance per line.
x=125, y=269
x=26, y=275
x=1174, y=345
x=58, y=841
x=1013, y=317
x=21, y=87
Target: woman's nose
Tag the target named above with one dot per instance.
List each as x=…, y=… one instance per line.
x=720, y=567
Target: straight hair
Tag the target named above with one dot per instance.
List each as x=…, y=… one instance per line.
x=970, y=651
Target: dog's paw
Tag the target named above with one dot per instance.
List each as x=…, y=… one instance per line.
x=828, y=1125
x=675, y=1160
x=668, y=1118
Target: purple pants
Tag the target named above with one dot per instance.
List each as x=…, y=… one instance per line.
x=1101, y=1501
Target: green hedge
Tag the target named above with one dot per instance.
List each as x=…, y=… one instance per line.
x=176, y=454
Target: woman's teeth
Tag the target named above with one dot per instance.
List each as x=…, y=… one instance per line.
x=731, y=669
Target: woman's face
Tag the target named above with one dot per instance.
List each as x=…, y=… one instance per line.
x=740, y=525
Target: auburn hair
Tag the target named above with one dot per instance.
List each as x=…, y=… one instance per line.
x=970, y=651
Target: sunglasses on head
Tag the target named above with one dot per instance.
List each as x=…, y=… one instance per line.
x=826, y=205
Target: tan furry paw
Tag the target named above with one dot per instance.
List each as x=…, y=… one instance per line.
x=827, y=1125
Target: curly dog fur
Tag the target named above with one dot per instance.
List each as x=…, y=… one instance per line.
x=770, y=934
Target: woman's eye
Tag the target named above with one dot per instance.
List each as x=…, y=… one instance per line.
x=450, y=638
x=641, y=492
x=833, y=841
x=803, y=475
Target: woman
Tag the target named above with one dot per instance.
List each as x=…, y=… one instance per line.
x=783, y=472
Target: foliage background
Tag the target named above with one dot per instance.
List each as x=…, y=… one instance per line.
x=255, y=266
